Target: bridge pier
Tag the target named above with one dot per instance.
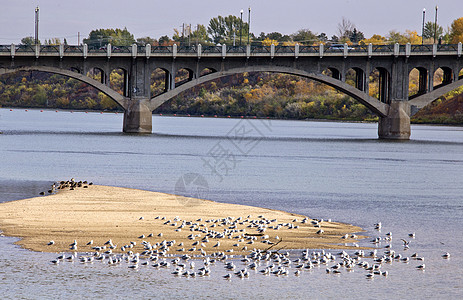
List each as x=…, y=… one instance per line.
x=138, y=118
x=396, y=125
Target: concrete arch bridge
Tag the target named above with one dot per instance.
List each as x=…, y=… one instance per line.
x=393, y=63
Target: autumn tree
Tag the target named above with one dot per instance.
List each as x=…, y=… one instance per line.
x=164, y=40
x=456, y=31
x=146, y=40
x=375, y=39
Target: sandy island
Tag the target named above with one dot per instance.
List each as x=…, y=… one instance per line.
x=100, y=213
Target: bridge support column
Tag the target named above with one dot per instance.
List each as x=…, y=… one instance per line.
x=138, y=118
x=396, y=125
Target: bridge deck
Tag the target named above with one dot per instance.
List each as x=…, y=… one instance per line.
x=231, y=51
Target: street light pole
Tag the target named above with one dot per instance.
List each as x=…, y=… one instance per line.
x=37, y=25
x=422, y=29
x=435, y=27
x=241, y=25
x=249, y=23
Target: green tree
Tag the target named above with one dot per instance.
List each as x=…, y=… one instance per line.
x=117, y=37
x=146, y=40
x=216, y=29
x=356, y=36
x=28, y=41
x=164, y=40
x=429, y=28
x=199, y=35
x=226, y=29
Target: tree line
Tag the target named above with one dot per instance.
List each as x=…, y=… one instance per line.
x=230, y=30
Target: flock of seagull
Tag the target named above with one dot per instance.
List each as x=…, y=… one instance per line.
x=189, y=258
x=184, y=263
x=71, y=184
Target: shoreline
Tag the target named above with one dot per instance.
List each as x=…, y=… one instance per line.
x=126, y=216
x=367, y=121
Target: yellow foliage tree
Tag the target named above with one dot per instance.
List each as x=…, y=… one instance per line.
x=456, y=31
x=288, y=43
x=268, y=42
x=376, y=39
x=411, y=37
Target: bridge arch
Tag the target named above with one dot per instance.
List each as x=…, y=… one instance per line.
x=119, y=80
x=356, y=77
x=417, y=81
x=74, y=69
x=333, y=72
x=206, y=71
x=183, y=75
x=381, y=88
x=377, y=107
x=443, y=75
x=160, y=81
x=118, y=98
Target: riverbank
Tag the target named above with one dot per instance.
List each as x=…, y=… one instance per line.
x=122, y=215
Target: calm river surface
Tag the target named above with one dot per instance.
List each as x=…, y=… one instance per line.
x=320, y=169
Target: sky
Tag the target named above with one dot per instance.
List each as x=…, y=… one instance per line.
x=66, y=18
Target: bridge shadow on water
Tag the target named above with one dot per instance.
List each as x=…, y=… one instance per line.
x=154, y=135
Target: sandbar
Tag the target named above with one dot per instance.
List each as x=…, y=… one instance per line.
x=124, y=215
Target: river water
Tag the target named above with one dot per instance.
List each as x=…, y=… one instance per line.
x=330, y=170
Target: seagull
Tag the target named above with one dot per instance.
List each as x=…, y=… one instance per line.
x=90, y=243
x=406, y=244
x=446, y=255
x=412, y=235
x=228, y=276
x=51, y=243
x=421, y=267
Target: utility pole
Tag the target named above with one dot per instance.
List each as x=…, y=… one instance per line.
x=37, y=25
x=422, y=28
x=435, y=27
x=78, y=38
x=189, y=35
x=249, y=22
x=241, y=25
x=183, y=34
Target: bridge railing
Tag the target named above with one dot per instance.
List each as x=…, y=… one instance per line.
x=49, y=49
x=25, y=48
x=383, y=48
x=161, y=49
x=285, y=49
x=309, y=49
x=258, y=49
x=121, y=49
x=73, y=49
x=212, y=49
x=447, y=47
x=359, y=49
x=5, y=48
x=421, y=48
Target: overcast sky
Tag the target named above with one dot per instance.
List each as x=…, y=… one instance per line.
x=65, y=18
